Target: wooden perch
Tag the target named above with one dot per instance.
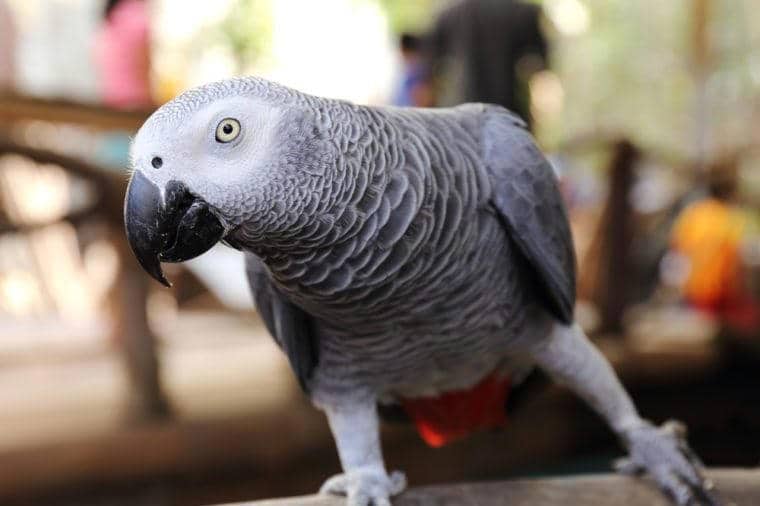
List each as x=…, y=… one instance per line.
x=19, y=107
x=734, y=487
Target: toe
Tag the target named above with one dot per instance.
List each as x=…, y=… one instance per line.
x=362, y=498
x=675, y=428
x=693, y=468
x=627, y=466
x=704, y=496
x=675, y=488
x=685, y=462
x=397, y=482
x=335, y=485
x=358, y=500
x=685, y=468
x=684, y=493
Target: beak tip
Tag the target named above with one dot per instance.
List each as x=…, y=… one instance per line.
x=165, y=282
x=152, y=267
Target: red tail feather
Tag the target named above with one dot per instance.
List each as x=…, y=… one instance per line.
x=453, y=415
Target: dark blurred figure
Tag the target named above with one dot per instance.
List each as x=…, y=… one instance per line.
x=485, y=51
x=414, y=89
x=122, y=54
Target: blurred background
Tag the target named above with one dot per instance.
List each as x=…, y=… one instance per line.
x=114, y=390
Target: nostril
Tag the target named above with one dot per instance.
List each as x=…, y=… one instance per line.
x=156, y=162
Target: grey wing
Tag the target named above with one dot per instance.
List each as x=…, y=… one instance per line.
x=289, y=325
x=526, y=198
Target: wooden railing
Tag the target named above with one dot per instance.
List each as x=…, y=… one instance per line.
x=21, y=107
x=738, y=487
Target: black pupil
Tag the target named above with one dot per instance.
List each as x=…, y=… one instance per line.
x=227, y=128
x=156, y=162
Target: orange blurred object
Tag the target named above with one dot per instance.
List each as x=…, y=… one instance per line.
x=709, y=235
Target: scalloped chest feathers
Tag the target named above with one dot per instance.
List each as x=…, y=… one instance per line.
x=420, y=248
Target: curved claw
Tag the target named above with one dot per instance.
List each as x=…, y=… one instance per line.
x=663, y=453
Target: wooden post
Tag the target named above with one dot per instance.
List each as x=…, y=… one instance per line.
x=607, y=275
x=133, y=337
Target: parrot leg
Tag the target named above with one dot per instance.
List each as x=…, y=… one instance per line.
x=570, y=359
x=364, y=481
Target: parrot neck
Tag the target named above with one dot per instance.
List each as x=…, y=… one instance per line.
x=323, y=216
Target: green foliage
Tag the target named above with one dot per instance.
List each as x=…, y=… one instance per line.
x=412, y=16
x=247, y=30
x=633, y=72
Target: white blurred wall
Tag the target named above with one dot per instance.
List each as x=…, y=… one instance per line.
x=335, y=48
x=53, y=47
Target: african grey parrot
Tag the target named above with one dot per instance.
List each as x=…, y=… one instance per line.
x=395, y=254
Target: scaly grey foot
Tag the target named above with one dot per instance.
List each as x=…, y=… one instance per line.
x=663, y=453
x=366, y=487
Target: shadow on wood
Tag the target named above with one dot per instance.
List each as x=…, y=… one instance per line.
x=734, y=487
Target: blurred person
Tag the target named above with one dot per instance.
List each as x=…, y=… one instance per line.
x=414, y=88
x=7, y=47
x=485, y=51
x=706, y=253
x=122, y=58
x=122, y=54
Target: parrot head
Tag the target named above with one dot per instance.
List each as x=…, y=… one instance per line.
x=239, y=153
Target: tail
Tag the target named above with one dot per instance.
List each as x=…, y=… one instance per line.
x=453, y=415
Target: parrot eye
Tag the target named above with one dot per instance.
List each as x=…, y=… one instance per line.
x=227, y=130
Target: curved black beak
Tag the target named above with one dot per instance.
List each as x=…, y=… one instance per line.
x=176, y=229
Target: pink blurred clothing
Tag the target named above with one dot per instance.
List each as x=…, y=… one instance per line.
x=122, y=55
